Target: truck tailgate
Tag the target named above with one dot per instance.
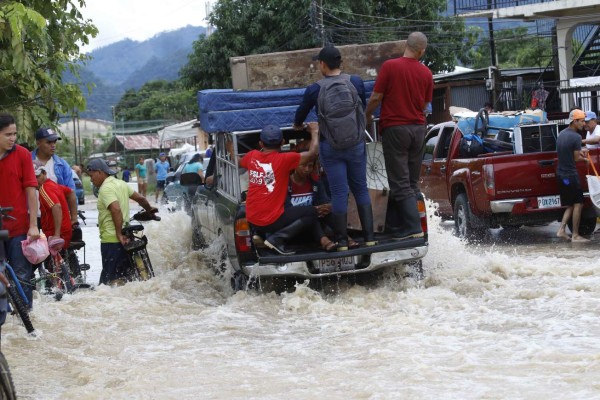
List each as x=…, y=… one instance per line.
x=524, y=175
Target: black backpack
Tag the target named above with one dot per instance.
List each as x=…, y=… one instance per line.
x=342, y=118
x=471, y=146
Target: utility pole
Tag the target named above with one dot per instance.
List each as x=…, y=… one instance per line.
x=493, y=57
x=74, y=136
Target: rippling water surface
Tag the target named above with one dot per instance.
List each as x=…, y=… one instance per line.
x=512, y=317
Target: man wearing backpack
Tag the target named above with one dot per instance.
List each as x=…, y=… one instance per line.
x=404, y=88
x=339, y=101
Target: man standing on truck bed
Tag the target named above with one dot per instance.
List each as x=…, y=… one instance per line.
x=404, y=88
x=568, y=147
x=339, y=101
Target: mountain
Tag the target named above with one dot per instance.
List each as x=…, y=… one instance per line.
x=129, y=64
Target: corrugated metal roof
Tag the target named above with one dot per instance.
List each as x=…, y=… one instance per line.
x=139, y=142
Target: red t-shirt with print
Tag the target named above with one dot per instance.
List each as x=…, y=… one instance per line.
x=52, y=193
x=268, y=179
x=16, y=174
x=406, y=85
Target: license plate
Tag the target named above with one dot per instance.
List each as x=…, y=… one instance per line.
x=335, y=264
x=549, y=201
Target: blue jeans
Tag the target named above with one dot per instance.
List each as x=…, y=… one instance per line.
x=115, y=262
x=20, y=264
x=345, y=169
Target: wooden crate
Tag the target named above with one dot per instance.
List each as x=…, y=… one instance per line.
x=293, y=69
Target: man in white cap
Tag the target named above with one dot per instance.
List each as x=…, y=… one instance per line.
x=113, y=212
x=568, y=147
x=592, y=139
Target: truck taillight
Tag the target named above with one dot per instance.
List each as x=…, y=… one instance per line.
x=422, y=213
x=488, y=179
x=242, y=235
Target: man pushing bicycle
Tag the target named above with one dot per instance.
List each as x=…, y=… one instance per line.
x=113, y=211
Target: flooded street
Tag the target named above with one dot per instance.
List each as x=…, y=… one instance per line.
x=515, y=316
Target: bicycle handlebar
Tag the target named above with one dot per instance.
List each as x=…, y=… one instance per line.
x=145, y=216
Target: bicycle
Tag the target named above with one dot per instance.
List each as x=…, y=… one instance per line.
x=16, y=295
x=77, y=269
x=62, y=272
x=140, y=267
x=7, y=387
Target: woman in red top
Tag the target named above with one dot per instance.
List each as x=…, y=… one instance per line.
x=268, y=178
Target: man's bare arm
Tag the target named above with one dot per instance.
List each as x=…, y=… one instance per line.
x=374, y=102
x=142, y=201
x=33, y=233
x=72, y=202
x=57, y=218
x=309, y=155
x=117, y=218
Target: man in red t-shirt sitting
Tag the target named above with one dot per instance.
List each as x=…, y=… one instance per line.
x=268, y=177
x=58, y=205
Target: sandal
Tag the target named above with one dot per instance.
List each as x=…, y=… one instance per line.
x=327, y=244
x=353, y=244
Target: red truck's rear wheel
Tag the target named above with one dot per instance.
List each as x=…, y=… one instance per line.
x=466, y=224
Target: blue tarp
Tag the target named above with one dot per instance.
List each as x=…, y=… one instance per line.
x=226, y=110
x=467, y=124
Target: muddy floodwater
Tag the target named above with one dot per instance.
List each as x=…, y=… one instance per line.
x=513, y=317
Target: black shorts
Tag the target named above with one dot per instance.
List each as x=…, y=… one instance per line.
x=570, y=191
x=160, y=184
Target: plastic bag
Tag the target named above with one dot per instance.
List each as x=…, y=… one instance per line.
x=55, y=244
x=37, y=250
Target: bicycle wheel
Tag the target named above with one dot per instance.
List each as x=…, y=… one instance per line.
x=65, y=276
x=17, y=303
x=147, y=263
x=73, y=262
x=7, y=387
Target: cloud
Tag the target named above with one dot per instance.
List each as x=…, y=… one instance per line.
x=140, y=19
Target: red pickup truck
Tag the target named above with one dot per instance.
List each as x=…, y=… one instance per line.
x=511, y=184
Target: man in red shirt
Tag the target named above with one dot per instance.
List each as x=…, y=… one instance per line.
x=268, y=177
x=404, y=88
x=58, y=206
x=18, y=184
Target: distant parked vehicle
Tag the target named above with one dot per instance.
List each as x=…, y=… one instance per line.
x=180, y=191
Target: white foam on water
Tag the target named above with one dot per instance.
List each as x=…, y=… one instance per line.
x=487, y=321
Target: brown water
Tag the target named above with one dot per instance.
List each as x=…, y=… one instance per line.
x=514, y=317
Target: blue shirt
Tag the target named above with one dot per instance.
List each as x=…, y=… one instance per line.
x=311, y=94
x=162, y=168
x=62, y=170
x=192, y=167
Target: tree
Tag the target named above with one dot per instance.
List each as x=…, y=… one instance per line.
x=246, y=27
x=157, y=100
x=39, y=41
x=514, y=48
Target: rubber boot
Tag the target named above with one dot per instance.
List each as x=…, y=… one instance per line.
x=341, y=231
x=277, y=240
x=393, y=222
x=411, y=220
x=365, y=214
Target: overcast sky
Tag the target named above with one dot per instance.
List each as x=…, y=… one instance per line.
x=140, y=19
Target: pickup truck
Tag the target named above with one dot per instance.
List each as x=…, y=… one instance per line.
x=511, y=184
x=219, y=216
